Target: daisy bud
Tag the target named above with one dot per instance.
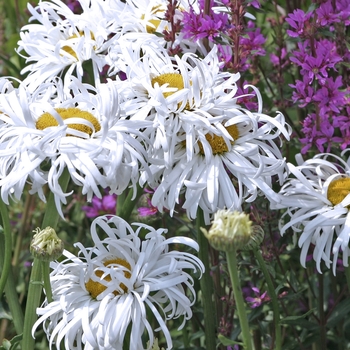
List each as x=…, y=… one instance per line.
x=230, y=230
x=46, y=245
x=256, y=238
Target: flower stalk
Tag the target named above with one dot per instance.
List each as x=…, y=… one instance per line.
x=206, y=284
x=36, y=278
x=7, y=282
x=273, y=296
x=231, y=257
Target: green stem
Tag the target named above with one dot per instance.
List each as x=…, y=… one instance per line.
x=36, y=278
x=231, y=258
x=322, y=316
x=11, y=295
x=33, y=301
x=7, y=282
x=45, y=265
x=206, y=284
x=347, y=275
x=8, y=246
x=274, y=300
x=125, y=205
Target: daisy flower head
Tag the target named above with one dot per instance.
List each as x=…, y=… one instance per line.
x=316, y=198
x=44, y=133
x=148, y=22
x=61, y=41
x=212, y=149
x=109, y=287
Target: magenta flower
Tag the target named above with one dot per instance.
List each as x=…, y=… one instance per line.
x=343, y=10
x=303, y=93
x=326, y=15
x=314, y=67
x=198, y=26
x=254, y=41
x=329, y=97
x=247, y=97
x=147, y=211
x=298, y=20
x=279, y=60
x=101, y=206
x=258, y=299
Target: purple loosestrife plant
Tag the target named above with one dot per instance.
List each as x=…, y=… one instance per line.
x=322, y=61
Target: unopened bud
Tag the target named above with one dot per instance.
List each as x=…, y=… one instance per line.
x=46, y=245
x=230, y=230
x=256, y=238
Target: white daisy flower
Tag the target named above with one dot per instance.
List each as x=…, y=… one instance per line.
x=212, y=149
x=62, y=41
x=317, y=201
x=110, y=287
x=146, y=22
x=43, y=134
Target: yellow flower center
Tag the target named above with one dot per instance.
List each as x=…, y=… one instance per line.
x=70, y=50
x=46, y=120
x=217, y=143
x=174, y=80
x=338, y=190
x=155, y=22
x=96, y=288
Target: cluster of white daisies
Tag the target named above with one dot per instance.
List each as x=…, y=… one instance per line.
x=173, y=123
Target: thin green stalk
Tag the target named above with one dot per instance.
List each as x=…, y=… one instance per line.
x=8, y=246
x=33, y=301
x=12, y=297
x=347, y=275
x=7, y=282
x=23, y=230
x=322, y=324
x=274, y=300
x=51, y=218
x=206, y=284
x=45, y=266
x=231, y=258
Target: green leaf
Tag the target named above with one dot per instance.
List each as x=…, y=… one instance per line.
x=11, y=344
x=226, y=341
x=341, y=311
x=4, y=313
x=292, y=319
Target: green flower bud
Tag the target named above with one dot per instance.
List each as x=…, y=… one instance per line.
x=46, y=245
x=256, y=238
x=230, y=230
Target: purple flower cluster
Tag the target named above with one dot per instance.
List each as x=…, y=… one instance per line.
x=322, y=91
x=243, y=40
x=200, y=25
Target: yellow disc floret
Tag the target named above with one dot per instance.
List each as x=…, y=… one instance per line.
x=96, y=288
x=47, y=120
x=156, y=11
x=70, y=50
x=338, y=189
x=174, y=80
x=217, y=143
